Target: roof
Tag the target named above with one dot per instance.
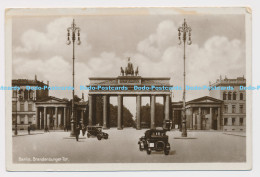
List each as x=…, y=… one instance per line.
x=205, y=99
x=52, y=99
x=25, y=82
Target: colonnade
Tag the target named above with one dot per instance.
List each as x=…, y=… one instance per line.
x=42, y=121
x=106, y=103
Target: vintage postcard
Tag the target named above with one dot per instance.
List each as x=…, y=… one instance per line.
x=113, y=89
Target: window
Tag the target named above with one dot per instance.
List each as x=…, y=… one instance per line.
x=233, y=108
x=241, y=121
x=224, y=96
x=14, y=93
x=229, y=95
x=233, y=121
x=30, y=107
x=22, y=107
x=21, y=119
x=234, y=96
x=26, y=94
x=13, y=118
x=31, y=94
x=14, y=106
x=226, y=108
x=225, y=121
x=30, y=118
x=241, y=96
x=241, y=109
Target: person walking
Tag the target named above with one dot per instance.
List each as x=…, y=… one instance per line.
x=83, y=129
x=77, y=132
x=29, y=129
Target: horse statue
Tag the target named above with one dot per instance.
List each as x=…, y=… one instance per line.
x=122, y=71
x=136, y=71
x=129, y=70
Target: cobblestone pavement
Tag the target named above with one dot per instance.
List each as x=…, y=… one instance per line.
x=122, y=146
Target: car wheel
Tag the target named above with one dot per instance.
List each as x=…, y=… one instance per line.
x=166, y=152
x=88, y=135
x=140, y=147
x=99, y=137
x=148, y=151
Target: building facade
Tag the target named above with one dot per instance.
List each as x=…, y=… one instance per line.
x=224, y=108
x=202, y=114
x=39, y=110
x=234, y=103
x=23, y=102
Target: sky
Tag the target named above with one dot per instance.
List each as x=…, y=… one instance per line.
x=218, y=48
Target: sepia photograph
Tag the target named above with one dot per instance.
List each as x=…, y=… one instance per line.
x=107, y=89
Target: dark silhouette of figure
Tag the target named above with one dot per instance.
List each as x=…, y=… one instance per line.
x=136, y=72
x=46, y=129
x=84, y=129
x=77, y=132
x=122, y=71
x=129, y=70
x=29, y=129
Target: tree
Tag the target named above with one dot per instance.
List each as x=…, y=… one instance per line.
x=146, y=115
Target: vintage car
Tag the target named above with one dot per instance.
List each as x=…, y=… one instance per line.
x=154, y=140
x=96, y=131
x=167, y=125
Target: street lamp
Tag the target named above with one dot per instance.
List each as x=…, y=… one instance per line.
x=185, y=31
x=72, y=32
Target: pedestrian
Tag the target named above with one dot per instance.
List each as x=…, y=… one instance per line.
x=29, y=129
x=83, y=129
x=77, y=132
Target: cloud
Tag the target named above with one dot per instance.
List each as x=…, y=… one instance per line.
x=48, y=41
x=158, y=55
x=155, y=44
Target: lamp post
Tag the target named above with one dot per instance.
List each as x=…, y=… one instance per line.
x=72, y=32
x=184, y=33
x=15, y=127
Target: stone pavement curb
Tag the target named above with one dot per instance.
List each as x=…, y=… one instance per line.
x=234, y=134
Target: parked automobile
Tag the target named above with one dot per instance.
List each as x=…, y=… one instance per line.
x=167, y=125
x=154, y=140
x=96, y=131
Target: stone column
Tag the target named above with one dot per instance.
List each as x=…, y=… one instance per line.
x=40, y=120
x=153, y=112
x=218, y=119
x=191, y=118
x=194, y=122
x=64, y=117
x=173, y=119
x=105, y=112
x=119, y=112
x=138, y=112
x=108, y=112
x=48, y=121
x=210, y=118
x=37, y=117
x=56, y=118
x=164, y=106
x=81, y=117
x=59, y=120
x=167, y=107
x=45, y=117
x=199, y=120
x=90, y=111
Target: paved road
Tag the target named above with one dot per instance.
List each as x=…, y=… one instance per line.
x=122, y=147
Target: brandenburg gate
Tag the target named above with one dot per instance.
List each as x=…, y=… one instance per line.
x=130, y=79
